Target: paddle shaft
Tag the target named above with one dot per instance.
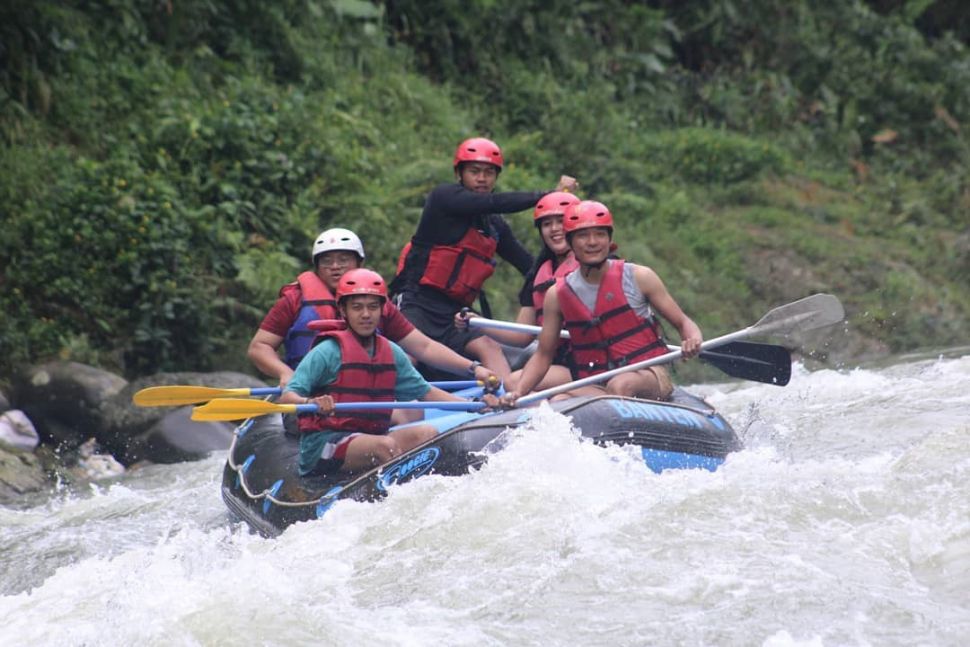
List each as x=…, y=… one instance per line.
x=177, y=395
x=382, y=406
x=484, y=322
x=608, y=375
x=239, y=408
x=445, y=384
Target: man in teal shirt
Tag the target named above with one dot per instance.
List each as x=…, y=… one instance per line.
x=355, y=363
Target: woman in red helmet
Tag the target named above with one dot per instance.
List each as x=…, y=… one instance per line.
x=354, y=362
x=608, y=306
x=452, y=253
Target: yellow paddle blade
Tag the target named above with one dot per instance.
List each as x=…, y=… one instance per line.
x=163, y=396
x=238, y=409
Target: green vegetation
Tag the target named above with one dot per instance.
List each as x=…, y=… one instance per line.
x=165, y=165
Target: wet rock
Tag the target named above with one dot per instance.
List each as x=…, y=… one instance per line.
x=20, y=473
x=176, y=437
x=17, y=432
x=92, y=465
x=65, y=399
x=164, y=434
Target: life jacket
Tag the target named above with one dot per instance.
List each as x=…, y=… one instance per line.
x=613, y=334
x=461, y=269
x=360, y=378
x=317, y=302
x=546, y=278
x=402, y=257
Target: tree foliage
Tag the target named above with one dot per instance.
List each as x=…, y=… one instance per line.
x=165, y=165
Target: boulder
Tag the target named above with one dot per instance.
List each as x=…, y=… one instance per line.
x=92, y=465
x=65, y=399
x=175, y=437
x=17, y=432
x=20, y=473
x=164, y=434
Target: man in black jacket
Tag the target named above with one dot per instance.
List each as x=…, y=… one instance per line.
x=452, y=253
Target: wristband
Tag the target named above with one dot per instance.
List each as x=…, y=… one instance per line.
x=473, y=366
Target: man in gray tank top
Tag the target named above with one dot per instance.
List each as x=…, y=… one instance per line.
x=608, y=308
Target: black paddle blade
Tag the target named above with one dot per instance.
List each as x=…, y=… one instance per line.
x=766, y=363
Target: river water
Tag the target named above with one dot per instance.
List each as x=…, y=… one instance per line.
x=844, y=521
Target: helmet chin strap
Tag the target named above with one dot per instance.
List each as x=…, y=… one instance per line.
x=589, y=267
x=364, y=341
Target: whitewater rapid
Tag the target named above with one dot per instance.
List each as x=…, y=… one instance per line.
x=844, y=521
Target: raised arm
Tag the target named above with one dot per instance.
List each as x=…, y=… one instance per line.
x=510, y=248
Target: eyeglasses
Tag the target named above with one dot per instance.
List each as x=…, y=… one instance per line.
x=341, y=260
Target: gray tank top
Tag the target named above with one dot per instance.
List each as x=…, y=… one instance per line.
x=587, y=291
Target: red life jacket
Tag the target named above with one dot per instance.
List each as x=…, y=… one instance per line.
x=317, y=302
x=611, y=336
x=361, y=378
x=402, y=257
x=461, y=269
x=545, y=279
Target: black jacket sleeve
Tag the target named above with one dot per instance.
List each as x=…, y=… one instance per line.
x=455, y=201
x=510, y=248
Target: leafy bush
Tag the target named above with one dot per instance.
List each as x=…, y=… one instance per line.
x=705, y=155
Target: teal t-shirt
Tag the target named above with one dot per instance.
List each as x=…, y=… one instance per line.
x=319, y=368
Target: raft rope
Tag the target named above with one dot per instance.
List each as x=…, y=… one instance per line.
x=265, y=495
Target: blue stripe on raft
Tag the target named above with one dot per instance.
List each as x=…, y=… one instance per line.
x=431, y=415
x=659, y=460
x=244, y=427
x=327, y=500
x=271, y=492
x=442, y=420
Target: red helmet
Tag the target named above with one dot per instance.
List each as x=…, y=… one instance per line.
x=479, y=149
x=587, y=214
x=553, y=204
x=361, y=281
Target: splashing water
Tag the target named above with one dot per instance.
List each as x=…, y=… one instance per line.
x=844, y=521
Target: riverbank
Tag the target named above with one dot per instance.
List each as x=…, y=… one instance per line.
x=73, y=424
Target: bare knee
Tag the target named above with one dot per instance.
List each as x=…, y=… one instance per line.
x=425, y=433
x=384, y=450
x=631, y=388
x=417, y=435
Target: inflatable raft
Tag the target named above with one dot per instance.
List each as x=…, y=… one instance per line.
x=261, y=484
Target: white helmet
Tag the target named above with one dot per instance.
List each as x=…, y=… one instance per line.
x=337, y=239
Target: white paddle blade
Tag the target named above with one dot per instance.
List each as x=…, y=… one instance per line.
x=816, y=311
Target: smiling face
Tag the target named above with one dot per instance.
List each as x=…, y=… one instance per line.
x=478, y=176
x=591, y=246
x=553, y=235
x=332, y=265
x=362, y=312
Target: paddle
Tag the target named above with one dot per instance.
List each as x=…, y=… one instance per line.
x=161, y=396
x=809, y=313
x=239, y=409
x=747, y=360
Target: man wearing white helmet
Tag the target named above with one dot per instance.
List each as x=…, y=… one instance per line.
x=311, y=297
